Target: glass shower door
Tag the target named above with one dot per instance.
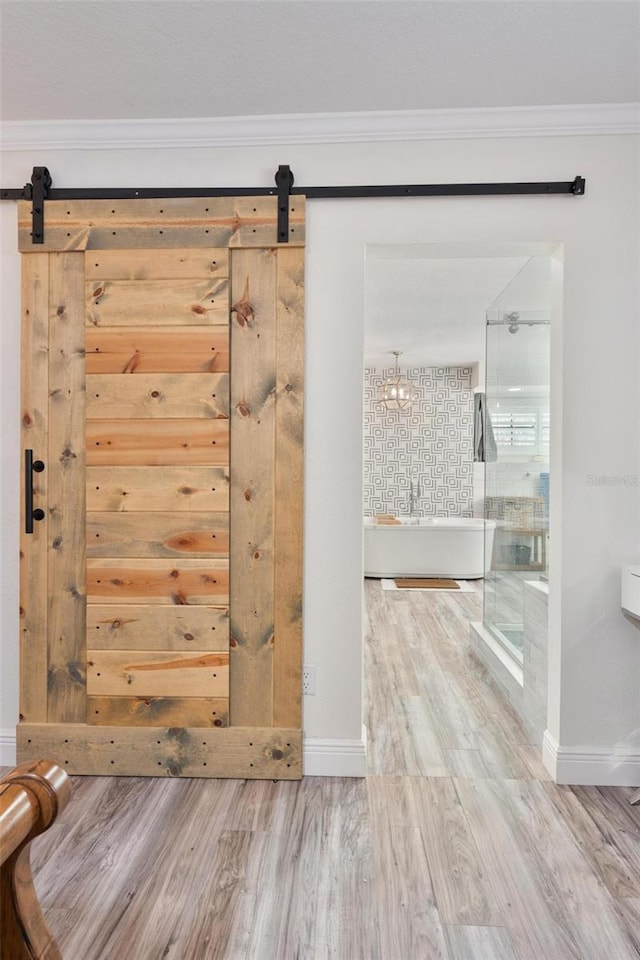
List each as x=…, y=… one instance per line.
x=517, y=471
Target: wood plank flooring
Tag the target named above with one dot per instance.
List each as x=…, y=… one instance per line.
x=456, y=846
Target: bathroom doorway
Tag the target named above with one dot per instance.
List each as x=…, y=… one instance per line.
x=445, y=326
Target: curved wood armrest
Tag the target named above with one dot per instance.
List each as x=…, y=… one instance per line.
x=31, y=796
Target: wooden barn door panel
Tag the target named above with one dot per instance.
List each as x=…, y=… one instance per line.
x=34, y=547
x=161, y=593
x=65, y=466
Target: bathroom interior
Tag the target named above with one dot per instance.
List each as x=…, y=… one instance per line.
x=457, y=443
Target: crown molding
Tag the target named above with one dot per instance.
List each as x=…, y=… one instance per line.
x=402, y=125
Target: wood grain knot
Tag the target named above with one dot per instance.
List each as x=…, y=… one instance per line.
x=132, y=363
x=76, y=672
x=243, y=409
x=243, y=309
x=178, y=733
x=244, y=314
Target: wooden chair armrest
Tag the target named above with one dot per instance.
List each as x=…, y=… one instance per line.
x=31, y=796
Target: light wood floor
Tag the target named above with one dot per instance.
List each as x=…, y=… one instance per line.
x=456, y=845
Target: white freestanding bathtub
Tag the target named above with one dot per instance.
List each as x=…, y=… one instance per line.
x=455, y=547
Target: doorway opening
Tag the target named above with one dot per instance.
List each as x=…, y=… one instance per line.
x=457, y=474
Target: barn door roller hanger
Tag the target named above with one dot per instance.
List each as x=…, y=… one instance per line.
x=40, y=189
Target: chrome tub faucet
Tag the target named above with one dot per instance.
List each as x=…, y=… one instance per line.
x=415, y=493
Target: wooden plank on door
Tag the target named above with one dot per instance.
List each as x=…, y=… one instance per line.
x=131, y=350
x=288, y=517
x=153, y=673
x=129, y=626
x=259, y=753
x=153, y=534
x=158, y=581
x=157, y=396
x=252, y=416
x=172, y=442
x=33, y=547
x=157, y=303
x=66, y=464
x=158, y=488
x=168, y=223
x=158, y=711
x=161, y=265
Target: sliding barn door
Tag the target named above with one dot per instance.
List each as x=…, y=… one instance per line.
x=161, y=585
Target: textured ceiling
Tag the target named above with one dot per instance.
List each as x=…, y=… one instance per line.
x=108, y=59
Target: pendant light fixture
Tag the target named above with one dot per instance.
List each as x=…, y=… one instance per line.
x=397, y=392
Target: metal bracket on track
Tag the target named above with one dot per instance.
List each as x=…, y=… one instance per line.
x=40, y=183
x=284, y=183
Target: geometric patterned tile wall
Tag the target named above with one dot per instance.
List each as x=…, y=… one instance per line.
x=433, y=443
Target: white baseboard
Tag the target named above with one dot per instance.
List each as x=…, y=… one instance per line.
x=591, y=766
x=7, y=748
x=335, y=758
x=321, y=758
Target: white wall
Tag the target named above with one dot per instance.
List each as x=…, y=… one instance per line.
x=594, y=650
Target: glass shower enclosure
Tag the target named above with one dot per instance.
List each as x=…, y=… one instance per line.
x=517, y=388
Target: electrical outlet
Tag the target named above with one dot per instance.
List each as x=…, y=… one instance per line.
x=309, y=681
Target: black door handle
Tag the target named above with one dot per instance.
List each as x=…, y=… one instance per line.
x=31, y=466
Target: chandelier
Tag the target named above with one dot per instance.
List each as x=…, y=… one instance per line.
x=397, y=393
